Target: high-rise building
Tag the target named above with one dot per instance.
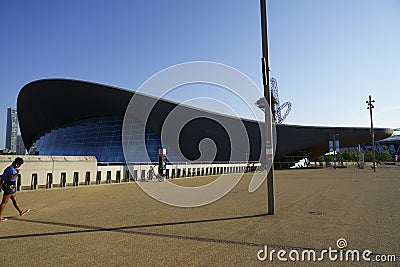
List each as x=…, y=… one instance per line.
x=12, y=129
x=21, y=150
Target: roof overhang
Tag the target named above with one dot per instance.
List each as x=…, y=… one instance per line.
x=47, y=104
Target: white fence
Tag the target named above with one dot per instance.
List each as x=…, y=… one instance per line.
x=59, y=171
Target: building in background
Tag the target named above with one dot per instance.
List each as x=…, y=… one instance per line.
x=12, y=129
x=61, y=117
x=390, y=144
x=21, y=150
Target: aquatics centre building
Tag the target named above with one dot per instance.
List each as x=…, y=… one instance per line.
x=62, y=117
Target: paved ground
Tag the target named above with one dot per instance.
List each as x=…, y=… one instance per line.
x=119, y=225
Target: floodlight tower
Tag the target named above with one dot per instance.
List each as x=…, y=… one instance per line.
x=370, y=104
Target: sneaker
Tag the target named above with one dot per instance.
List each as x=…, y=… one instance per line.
x=24, y=212
x=2, y=219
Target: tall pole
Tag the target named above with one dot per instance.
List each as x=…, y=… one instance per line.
x=334, y=151
x=268, y=159
x=370, y=107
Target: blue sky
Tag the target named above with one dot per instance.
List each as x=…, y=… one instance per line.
x=327, y=56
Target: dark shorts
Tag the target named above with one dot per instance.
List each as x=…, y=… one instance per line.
x=9, y=188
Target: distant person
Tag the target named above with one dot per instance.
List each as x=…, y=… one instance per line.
x=8, y=185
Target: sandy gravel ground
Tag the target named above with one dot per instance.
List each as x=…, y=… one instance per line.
x=119, y=225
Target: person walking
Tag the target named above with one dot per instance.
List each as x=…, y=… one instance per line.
x=8, y=185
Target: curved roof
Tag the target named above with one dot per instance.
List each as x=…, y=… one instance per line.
x=47, y=104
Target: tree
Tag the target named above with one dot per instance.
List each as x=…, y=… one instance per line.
x=339, y=157
x=368, y=156
x=349, y=156
x=328, y=157
x=384, y=156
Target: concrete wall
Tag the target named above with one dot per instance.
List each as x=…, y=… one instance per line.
x=39, y=168
x=64, y=171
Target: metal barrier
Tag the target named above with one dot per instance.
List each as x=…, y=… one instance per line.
x=87, y=178
x=63, y=179
x=139, y=172
x=126, y=176
x=49, y=180
x=18, y=183
x=98, y=177
x=34, y=181
x=75, y=181
x=108, y=180
x=143, y=175
x=118, y=177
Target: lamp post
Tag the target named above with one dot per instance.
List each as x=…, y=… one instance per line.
x=370, y=104
x=334, y=150
x=268, y=157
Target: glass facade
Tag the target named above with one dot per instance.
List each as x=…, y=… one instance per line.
x=100, y=137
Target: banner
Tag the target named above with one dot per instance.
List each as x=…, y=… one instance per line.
x=331, y=148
